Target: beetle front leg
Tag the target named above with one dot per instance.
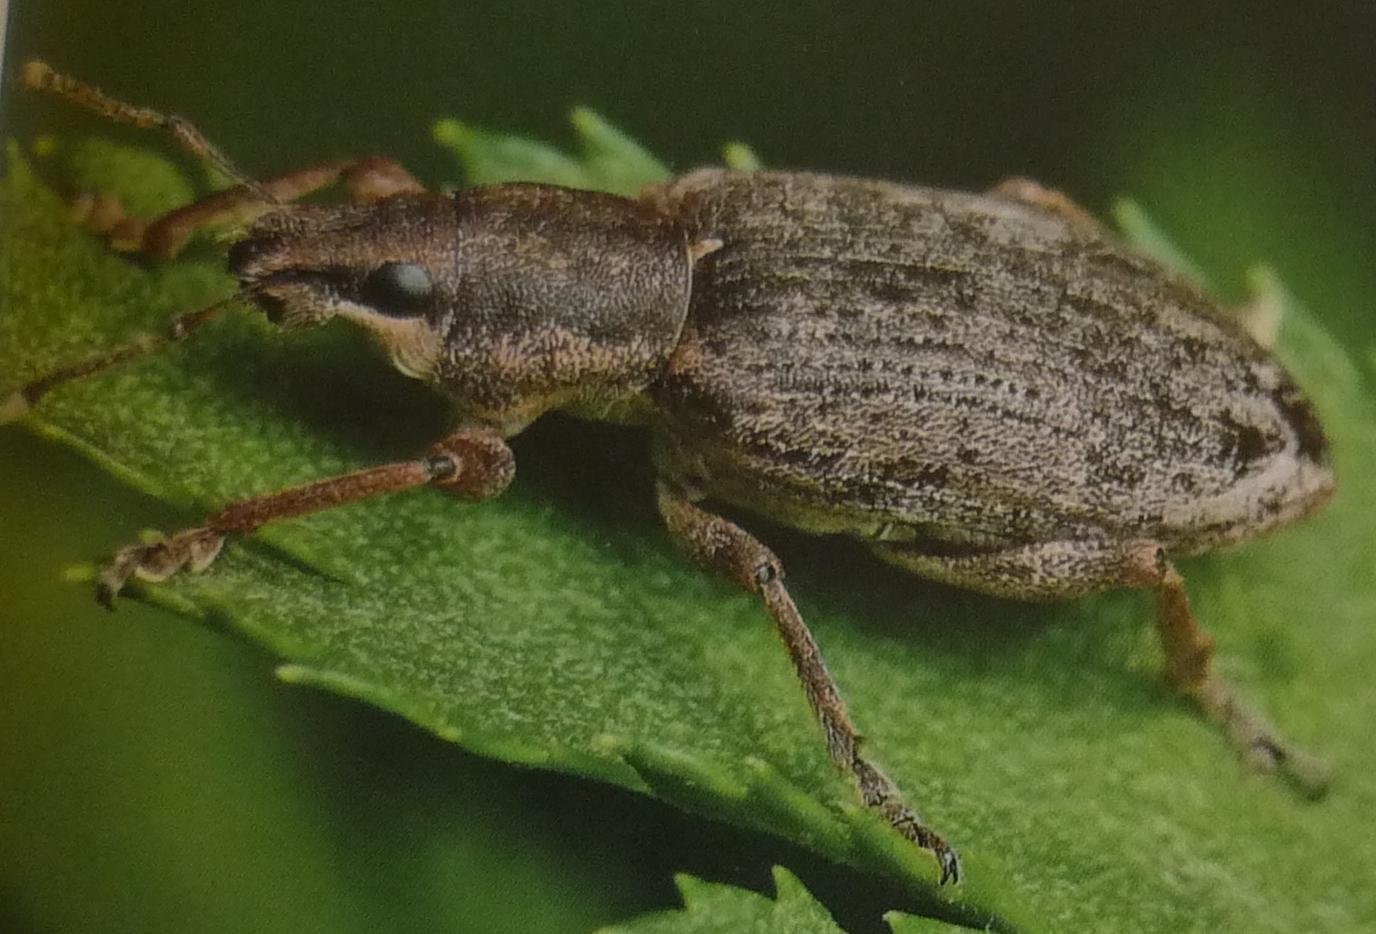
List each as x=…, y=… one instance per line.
x=476, y=464
x=163, y=237
x=724, y=546
x=367, y=179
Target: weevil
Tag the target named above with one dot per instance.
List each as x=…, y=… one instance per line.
x=989, y=390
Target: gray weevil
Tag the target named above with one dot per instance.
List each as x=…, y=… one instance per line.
x=987, y=389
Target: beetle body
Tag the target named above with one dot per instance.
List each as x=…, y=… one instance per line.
x=929, y=370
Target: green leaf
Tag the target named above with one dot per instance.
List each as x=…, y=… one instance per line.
x=741, y=157
x=1138, y=226
x=557, y=628
x=608, y=159
x=712, y=907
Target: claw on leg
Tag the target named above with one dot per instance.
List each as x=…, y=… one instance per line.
x=1257, y=742
x=879, y=793
x=104, y=215
x=194, y=549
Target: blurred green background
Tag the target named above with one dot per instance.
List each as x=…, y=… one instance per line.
x=153, y=776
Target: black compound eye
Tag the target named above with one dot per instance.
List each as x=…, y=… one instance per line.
x=399, y=290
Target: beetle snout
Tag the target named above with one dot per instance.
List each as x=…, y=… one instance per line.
x=256, y=259
x=245, y=259
x=288, y=294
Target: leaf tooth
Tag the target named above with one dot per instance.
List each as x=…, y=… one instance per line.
x=801, y=815
x=681, y=776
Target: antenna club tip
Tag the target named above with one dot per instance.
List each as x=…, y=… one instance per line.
x=13, y=407
x=36, y=75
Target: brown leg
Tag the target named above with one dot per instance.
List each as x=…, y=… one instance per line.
x=18, y=402
x=476, y=464
x=1053, y=570
x=1190, y=670
x=1048, y=199
x=162, y=238
x=726, y=547
x=40, y=76
x=367, y=179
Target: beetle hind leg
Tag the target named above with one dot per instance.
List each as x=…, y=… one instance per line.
x=1018, y=188
x=1067, y=569
x=1189, y=669
x=724, y=546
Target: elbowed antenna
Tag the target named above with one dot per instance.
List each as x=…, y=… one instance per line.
x=17, y=403
x=40, y=76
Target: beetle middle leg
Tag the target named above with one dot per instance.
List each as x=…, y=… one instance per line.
x=726, y=547
x=1068, y=569
x=476, y=464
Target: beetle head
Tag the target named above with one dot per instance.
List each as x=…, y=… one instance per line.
x=384, y=267
x=511, y=299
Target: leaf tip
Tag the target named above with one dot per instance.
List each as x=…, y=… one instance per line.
x=585, y=119
x=14, y=407
x=610, y=744
x=83, y=573
x=292, y=674
x=450, y=132
x=740, y=157
x=691, y=889
x=787, y=886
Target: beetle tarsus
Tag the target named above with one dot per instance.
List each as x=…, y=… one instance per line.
x=1258, y=742
x=950, y=865
x=911, y=826
x=1306, y=773
x=105, y=594
x=193, y=548
x=1190, y=671
x=114, y=575
x=880, y=794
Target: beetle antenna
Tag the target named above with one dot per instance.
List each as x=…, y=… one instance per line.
x=17, y=403
x=40, y=76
